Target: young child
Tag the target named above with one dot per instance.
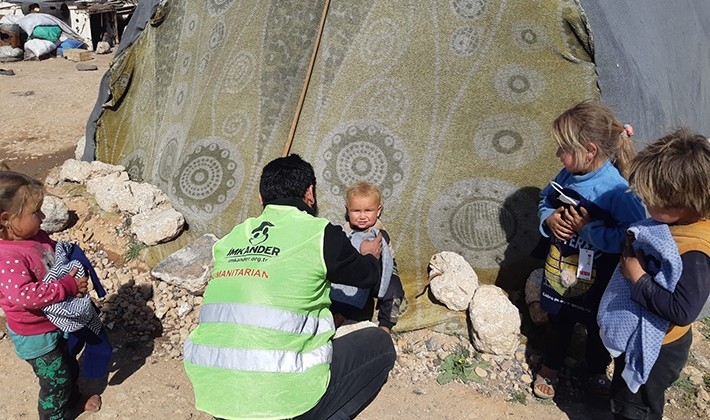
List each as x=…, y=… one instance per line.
x=671, y=176
x=26, y=254
x=585, y=212
x=363, y=208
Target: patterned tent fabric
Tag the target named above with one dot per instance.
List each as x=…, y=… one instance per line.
x=444, y=104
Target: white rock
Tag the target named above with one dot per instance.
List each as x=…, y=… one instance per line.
x=56, y=214
x=495, y=321
x=157, y=225
x=80, y=171
x=452, y=280
x=189, y=268
x=108, y=189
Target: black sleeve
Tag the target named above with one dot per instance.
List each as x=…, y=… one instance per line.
x=683, y=305
x=344, y=263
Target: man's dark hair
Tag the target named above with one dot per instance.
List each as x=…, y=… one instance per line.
x=286, y=177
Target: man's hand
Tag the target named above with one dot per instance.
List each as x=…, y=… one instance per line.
x=558, y=225
x=82, y=283
x=372, y=246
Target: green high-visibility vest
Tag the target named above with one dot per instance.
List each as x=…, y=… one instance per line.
x=263, y=345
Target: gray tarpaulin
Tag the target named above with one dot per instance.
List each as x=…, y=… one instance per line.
x=653, y=62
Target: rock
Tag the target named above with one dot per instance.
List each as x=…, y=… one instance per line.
x=80, y=171
x=190, y=267
x=86, y=67
x=108, y=190
x=56, y=214
x=139, y=197
x=157, y=225
x=80, y=146
x=452, y=280
x=103, y=47
x=495, y=322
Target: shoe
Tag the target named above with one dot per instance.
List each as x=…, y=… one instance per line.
x=543, y=387
x=4, y=72
x=599, y=385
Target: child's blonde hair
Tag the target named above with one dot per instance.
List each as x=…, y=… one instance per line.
x=674, y=172
x=363, y=189
x=17, y=190
x=592, y=122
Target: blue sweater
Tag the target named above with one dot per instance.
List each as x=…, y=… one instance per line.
x=604, y=194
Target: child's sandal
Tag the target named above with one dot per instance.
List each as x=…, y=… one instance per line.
x=544, y=387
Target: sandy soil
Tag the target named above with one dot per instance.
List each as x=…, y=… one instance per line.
x=44, y=111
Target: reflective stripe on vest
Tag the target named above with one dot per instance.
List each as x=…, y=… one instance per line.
x=256, y=360
x=265, y=317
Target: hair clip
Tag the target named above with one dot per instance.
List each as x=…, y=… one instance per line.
x=629, y=130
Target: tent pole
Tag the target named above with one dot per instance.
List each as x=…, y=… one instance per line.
x=301, y=99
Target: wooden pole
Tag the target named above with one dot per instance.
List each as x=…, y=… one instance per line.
x=302, y=98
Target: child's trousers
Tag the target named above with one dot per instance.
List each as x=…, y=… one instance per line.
x=57, y=372
x=648, y=402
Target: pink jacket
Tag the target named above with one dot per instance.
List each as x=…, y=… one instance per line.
x=23, y=265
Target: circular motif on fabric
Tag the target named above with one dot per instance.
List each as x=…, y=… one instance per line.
x=361, y=151
x=465, y=41
x=218, y=7
x=180, y=97
x=135, y=164
x=481, y=218
x=508, y=141
x=239, y=72
x=519, y=84
x=204, y=62
x=529, y=36
x=237, y=125
x=208, y=178
x=217, y=36
x=192, y=23
x=469, y=9
x=170, y=147
x=381, y=42
x=389, y=103
x=141, y=102
x=185, y=63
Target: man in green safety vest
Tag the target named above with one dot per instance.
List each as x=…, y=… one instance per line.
x=264, y=347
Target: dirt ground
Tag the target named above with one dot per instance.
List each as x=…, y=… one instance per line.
x=43, y=112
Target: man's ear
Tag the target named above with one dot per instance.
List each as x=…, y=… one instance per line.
x=309, y=198
x=261, y=200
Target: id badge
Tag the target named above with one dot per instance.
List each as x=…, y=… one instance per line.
x=584, y=267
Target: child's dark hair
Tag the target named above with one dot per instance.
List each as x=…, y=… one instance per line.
x=16, y=190
x=286, y=177
x=674, y=172
x=592, y=122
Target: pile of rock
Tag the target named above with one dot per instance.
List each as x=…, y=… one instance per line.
x=494, y=320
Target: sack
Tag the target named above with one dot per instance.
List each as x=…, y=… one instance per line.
x=48, y=32
x=39, y=47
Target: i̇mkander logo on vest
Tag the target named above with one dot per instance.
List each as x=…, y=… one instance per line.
x=256, y=251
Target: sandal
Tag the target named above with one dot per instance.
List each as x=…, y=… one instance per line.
x=544, y=387
x=599, y=385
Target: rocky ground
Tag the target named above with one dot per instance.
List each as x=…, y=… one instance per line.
x=148, y=319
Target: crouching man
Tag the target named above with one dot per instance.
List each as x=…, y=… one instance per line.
x=264, y=346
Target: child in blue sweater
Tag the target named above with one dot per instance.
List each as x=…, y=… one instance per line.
x=585, y=212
